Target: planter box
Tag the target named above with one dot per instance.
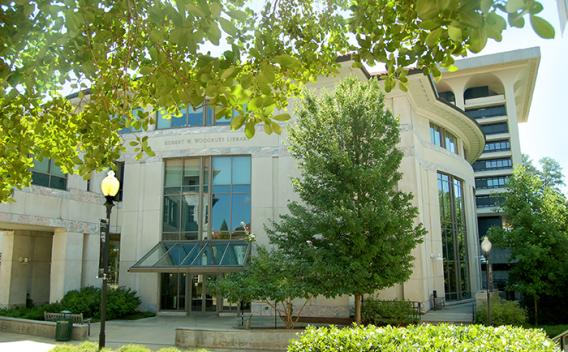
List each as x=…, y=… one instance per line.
x=258, y=339
x=39, y=328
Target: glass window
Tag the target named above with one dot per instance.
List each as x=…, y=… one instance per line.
x=241, y=170
x=221, y=171
x=450, y=142
x=195, y=116
x=192, y=211
x=46, y=173
x=436, y=135
x=173, y=176
x=175, y=121
x=495, y=128
x=454, y=237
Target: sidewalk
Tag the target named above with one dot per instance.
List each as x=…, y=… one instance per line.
x=155, y=332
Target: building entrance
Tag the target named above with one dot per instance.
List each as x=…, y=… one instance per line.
x=202, y=297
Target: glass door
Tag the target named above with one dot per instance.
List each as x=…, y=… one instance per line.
x=172, y=291
x=202, y=299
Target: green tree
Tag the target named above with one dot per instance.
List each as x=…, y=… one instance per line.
x=353, y=226
x=551, y=173
x=274, y=278
x=537, y=235
x=165, y=54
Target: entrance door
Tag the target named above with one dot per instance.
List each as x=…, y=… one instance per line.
x=202, y=299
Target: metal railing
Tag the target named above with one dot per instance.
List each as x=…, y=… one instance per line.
x=562, y=341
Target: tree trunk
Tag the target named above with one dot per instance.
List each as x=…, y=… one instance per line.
x=358, y=297
x=535, y=300
x=289, y=315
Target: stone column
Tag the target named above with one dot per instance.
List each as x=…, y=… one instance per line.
x=6, y=249
x=66, y=263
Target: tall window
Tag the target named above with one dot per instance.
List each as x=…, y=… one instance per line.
x=46, y=173
x=443, y=138
x=491, y=182
x=206, y=197
x=454, y=237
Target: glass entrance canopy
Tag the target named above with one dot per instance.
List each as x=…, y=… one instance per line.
x=208, y=256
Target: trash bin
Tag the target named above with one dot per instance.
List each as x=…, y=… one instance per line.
x=63, y=329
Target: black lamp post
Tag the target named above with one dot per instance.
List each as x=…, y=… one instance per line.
x=486, y=248
x=109, y=187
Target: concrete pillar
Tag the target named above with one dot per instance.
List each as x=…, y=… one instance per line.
x=66, y=263
x=6, y=249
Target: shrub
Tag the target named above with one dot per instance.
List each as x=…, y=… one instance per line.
x=33, y=313
x=86, y=300
x=503, y=312
x=395, y=312
x=442, y=337
x=121, y=302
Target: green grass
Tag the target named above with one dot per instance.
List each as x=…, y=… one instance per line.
x=553, y=330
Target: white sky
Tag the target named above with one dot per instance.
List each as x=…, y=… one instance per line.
x=546, y=132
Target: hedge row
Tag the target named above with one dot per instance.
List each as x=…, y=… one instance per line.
x=93, y=347
x=442, y=337
x=121, y=302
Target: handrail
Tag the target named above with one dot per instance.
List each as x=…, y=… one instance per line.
x=562, y=340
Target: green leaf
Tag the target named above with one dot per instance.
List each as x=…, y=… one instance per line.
x=228, y=73
x=287, y=61
x=514, y=5
x=276, y=127
x=426, y=8
x=516, y=20
x=455, y=33
x=237, y=121
x=433, y=37
x=228, y=27
x=249, y=129
x=485, y=5
x=281, y=117
x=267, y=127
x=196, y=10
x=542, y=27
x=214, y=33
x=477, y=41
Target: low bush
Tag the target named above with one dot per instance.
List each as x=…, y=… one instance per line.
x=33, y=313
x=395, y=312
x=93, y=347
x=442, y=337
x=121, y=302
x=503, y=312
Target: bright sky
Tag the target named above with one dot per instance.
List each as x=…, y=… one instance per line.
x=546, y=132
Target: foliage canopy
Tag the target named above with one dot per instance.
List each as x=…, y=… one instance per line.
x=166, y=54
x=536, y=213
x=353, y=226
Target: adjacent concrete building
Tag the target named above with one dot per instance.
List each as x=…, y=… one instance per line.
x=184, y=213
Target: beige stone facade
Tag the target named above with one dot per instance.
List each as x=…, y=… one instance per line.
x=57, y=230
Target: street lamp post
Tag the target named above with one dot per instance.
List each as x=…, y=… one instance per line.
x=486, y=248
x=109, y=187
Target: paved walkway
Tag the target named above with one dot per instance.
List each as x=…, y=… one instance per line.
x=156, y=332
x=459, y=313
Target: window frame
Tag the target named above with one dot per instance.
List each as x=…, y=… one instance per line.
x=444, y=134
x=50, y=175
x=205, y=195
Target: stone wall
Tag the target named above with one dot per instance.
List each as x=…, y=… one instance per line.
x=39, y=328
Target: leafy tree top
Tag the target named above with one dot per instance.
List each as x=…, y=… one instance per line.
x=353, y=226
x=170, y=53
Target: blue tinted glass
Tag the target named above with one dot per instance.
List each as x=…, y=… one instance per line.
x=221, y=212
x=241, y=211
x=195, y=116
x=163, y=123
x=222, y=188
x=171, y=216
x=190, y=213
x=179, y=121
x=210, y=116
x=241, y=170
x=221, y=170
x=241, y=189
